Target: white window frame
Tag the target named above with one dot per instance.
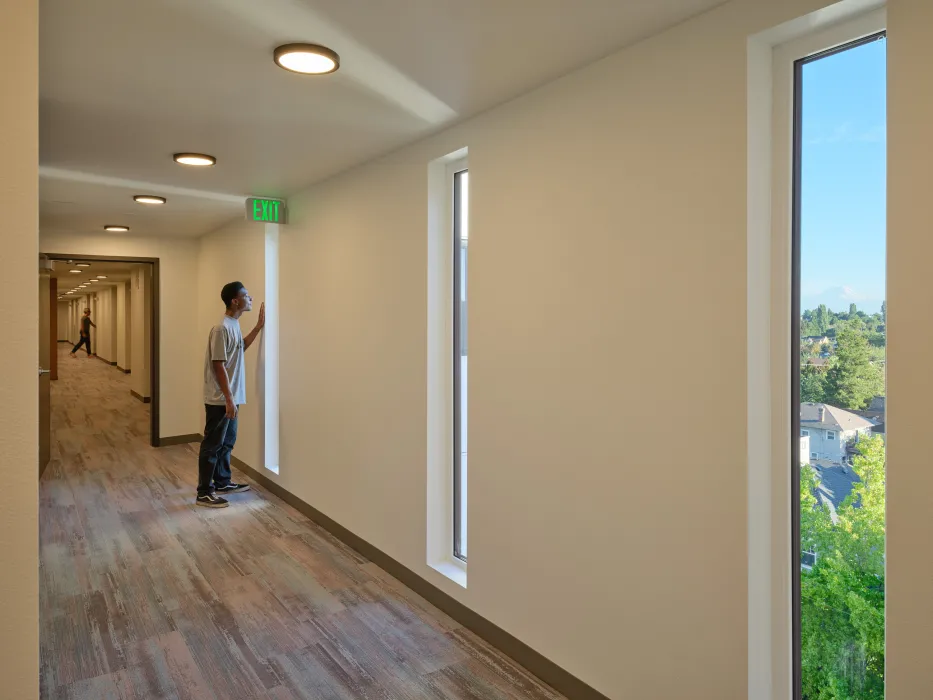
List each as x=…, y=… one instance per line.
x=453, y=168
x=771, y=55
x=440, y=373
x=831, y=435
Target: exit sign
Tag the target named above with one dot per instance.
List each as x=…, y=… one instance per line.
x=268, y=211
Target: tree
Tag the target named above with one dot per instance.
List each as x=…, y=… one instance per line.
x=852, y=380
x=812, y=385
x=842, y=596
x=884, y=312
x=822, y=319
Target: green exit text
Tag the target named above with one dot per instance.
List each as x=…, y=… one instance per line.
x=269, y=211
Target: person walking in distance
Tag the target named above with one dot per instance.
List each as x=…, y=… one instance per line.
x=85, y=331
x=224, y=393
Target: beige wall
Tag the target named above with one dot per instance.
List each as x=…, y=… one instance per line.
x=105, y=338
x=123, y=312
x=65, y=330
x=180, y=349
x=141, y=338
x=19, y=562
x=608, y=203
x=909, y=582
x=235, y=254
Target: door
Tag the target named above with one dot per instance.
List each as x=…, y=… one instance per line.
x=45, y=355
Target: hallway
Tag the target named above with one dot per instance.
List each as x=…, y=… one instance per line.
x=144, y=596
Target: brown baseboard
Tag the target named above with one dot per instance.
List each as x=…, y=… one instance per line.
x=546, y=670
x=144, y=399
x=179, y=440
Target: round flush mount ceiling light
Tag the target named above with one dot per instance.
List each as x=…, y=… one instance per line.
x=75, y=272
x=196, y=159
x=117, y=229
x=149, y=199
x=101, y=277
x=83, y=265
x=309, y=59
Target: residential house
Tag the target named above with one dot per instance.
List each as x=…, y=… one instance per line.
x=830, y=429
x=821, y=363
x=875, y=410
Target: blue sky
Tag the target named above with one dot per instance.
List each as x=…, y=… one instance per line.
x=843, y=179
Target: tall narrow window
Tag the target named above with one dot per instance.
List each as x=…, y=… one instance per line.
x=838, y=356
x=461, y=198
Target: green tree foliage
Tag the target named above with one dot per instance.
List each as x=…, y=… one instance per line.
x=842, y=596
x=853, y=379
x=812, y=385
x=823, y=319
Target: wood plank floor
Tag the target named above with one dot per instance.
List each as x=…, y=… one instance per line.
x=145, y=596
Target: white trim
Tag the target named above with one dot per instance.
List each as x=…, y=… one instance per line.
x=269, y=352
x=769, y=152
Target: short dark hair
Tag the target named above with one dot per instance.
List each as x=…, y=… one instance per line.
x=230, y=292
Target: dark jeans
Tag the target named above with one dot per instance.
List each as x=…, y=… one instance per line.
x=85, y=340
x=216, y=448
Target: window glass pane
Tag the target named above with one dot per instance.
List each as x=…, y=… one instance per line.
x=842, y=340
x=461, y=369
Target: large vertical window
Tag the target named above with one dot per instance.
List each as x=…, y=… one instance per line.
x=838, y=361
x=461, y=199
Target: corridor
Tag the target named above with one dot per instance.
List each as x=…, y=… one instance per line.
x=144, y=596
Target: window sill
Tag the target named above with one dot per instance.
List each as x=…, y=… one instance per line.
x=455, y=570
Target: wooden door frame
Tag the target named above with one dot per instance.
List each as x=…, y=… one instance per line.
x=154, y=356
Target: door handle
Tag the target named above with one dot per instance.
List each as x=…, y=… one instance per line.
x=44, y=371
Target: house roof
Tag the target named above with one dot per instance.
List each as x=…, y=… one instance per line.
x=832, y=419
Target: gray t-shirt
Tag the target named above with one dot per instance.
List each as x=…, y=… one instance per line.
x=225, y=344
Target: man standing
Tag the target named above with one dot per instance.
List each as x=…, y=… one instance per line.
x=224, y=393
x=85, y=331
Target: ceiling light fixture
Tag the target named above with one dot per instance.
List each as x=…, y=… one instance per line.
x=83, y=265
x=149, y=199
x=101, y=277
x=197, y=159
x=75, y=272
x=308, y=59
x=117, y=229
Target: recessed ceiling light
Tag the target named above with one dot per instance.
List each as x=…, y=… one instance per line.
x=75, y=272
x=149, y=199
x=309, y=59
x=117, y=229
x=91, y=281
x=83, y=265
x=101, y=277
x=200, y=159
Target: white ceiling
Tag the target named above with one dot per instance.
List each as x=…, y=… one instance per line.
x=126, y=84
x=116, y=273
